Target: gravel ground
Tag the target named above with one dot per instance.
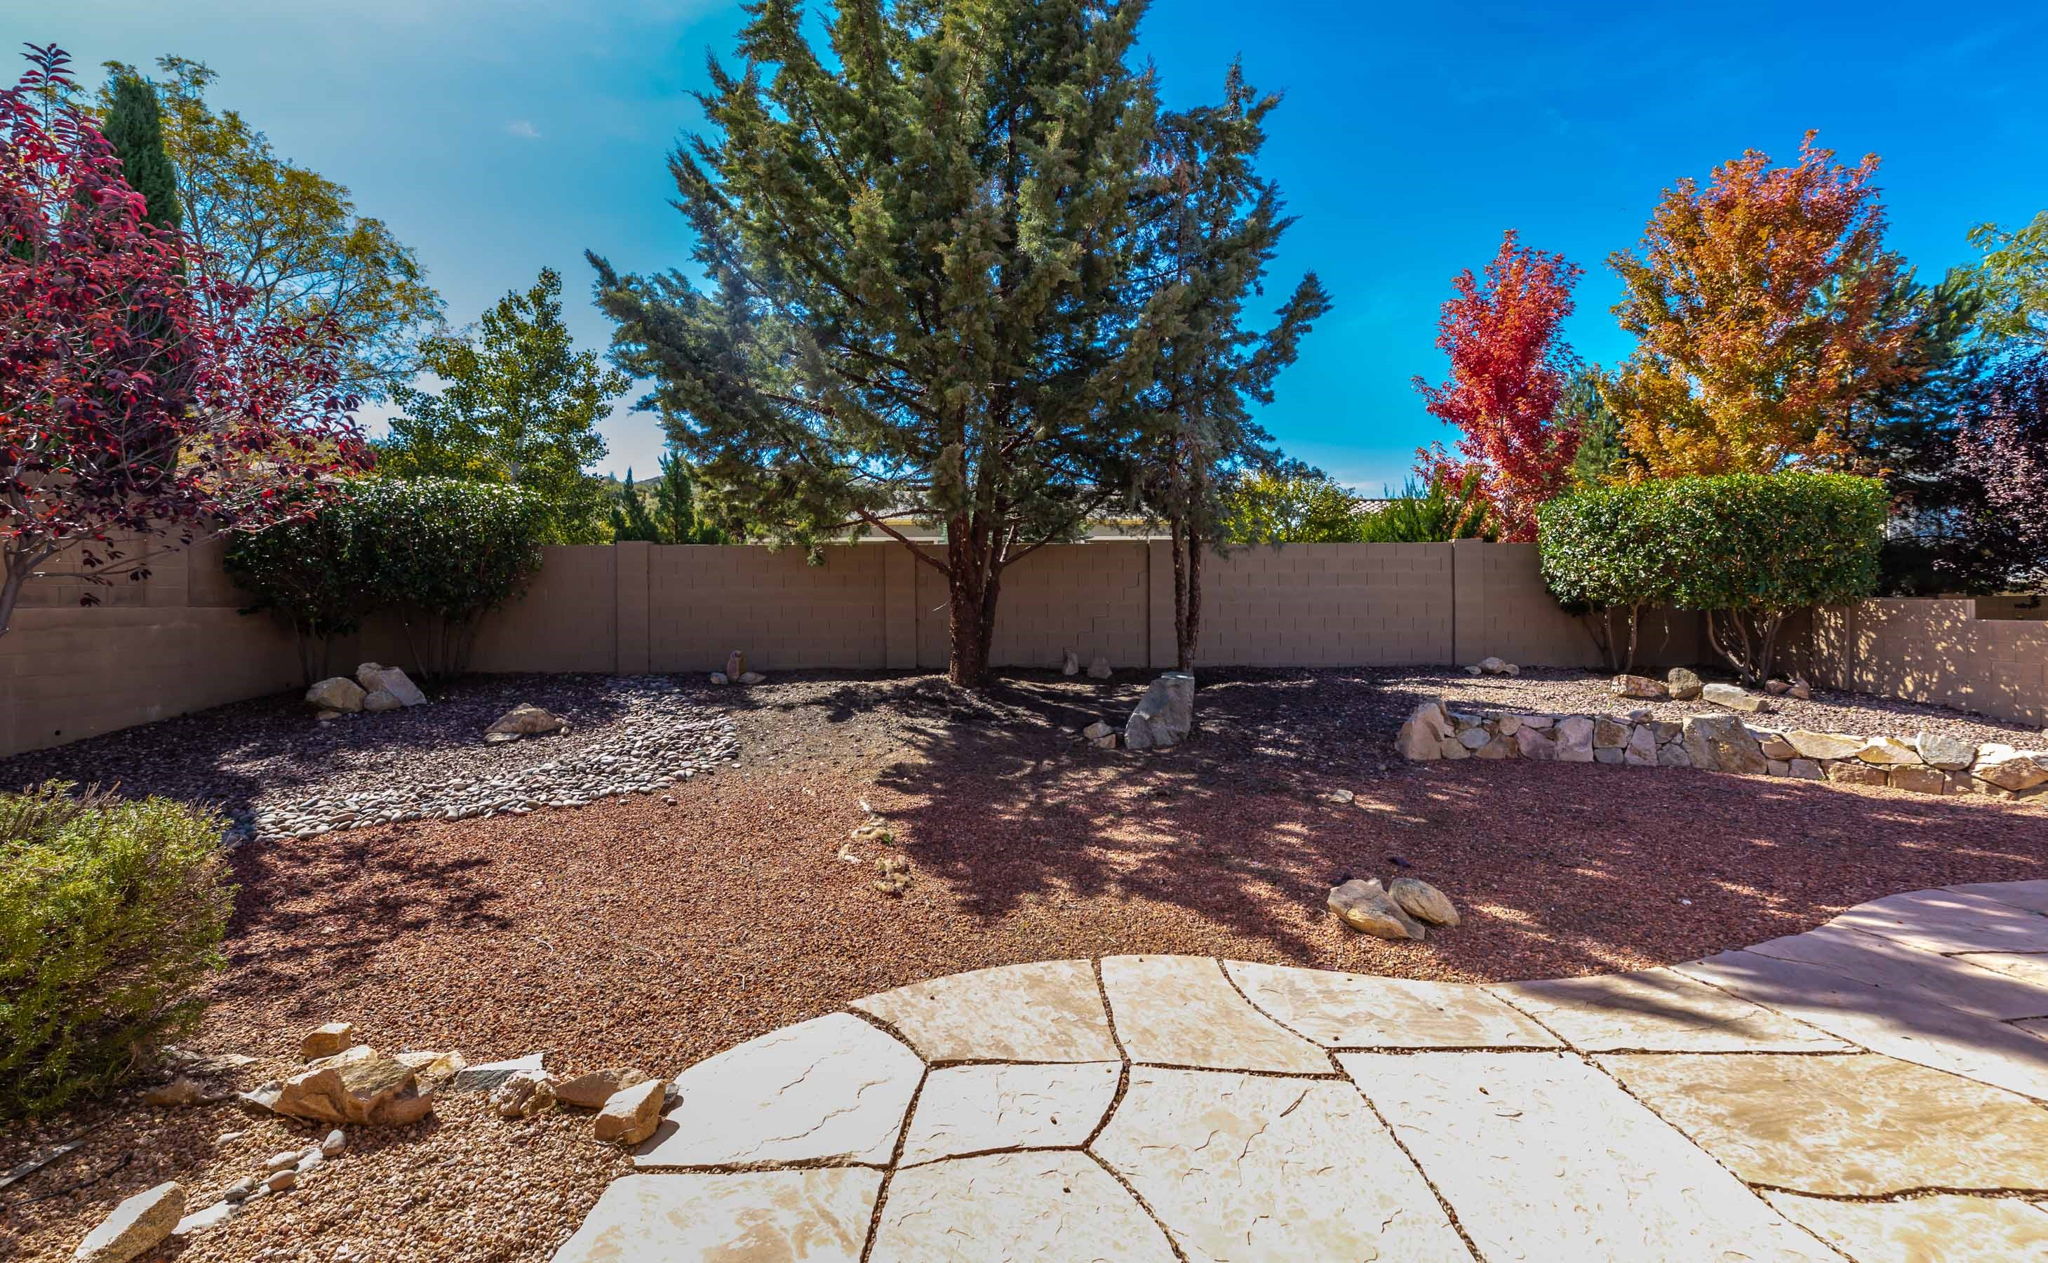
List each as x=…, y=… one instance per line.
x=635, y=931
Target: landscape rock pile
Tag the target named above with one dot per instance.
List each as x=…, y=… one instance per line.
x=375, y=688
x=1928, y=763
x=654, y=739
x=1399, y=911
x=1166, y=714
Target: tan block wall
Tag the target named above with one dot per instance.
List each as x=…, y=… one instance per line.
x=1316, y=605
x=1932, y=651
x=705, y=601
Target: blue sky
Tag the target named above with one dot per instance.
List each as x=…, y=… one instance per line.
x=499, y=136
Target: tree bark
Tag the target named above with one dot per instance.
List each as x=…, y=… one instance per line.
x=1187, y=596
x=971, y=592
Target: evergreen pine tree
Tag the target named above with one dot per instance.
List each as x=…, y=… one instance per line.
x=135, y=128
x=630, y=519
x=923, y=254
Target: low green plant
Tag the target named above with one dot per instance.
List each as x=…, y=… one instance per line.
x=1434, y=514
x=437, y=553
x=111, y=912
x=1745, y=550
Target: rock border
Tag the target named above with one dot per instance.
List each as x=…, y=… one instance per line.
x=1926, y=763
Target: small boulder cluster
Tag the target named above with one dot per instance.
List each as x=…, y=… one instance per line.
x=1098, y=666
x=1929, y=763
x=1163, y=717
x=375, y=688
x=736, y=671
x=1493, y=666
x=1398, y=910
x=348, y=1082
x=628, y=1102
x=1681, y=685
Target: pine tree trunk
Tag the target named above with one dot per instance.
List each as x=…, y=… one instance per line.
x=1187, y=597
x=971, y=605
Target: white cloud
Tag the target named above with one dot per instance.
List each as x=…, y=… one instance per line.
x=522, y=129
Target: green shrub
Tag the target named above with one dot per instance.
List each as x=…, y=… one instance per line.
x=1436, y=514
x=437, y=552
x=1746, y=550
x=110, y=912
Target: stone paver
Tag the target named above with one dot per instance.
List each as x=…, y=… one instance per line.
x=1927, y=977
x=833, y=1089
x=820, y=1216
x=1945, y=1228
x=1543, y=1157
x=1850, y=1126
x=1884, y=1021
x=1746, y=1107
x=1355, y=1011
x=1049, y=1011
x=975, y=1109
x=1182, y=1011
x=1048, y=1205
x=1659, y=1010
x=1245, y=1168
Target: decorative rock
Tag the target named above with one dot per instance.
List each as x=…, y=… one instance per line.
x=631, y=1114
x=1423, y=901
x=1641, y=750
x=1805, y=770
x=1494, y=666
x=719, y=677
x=1824, y=745
x=240, y=1189
x=484, y=1077
x=1777, y=688
x=1722, y=743
x=1474, y=738
x=1673, y=755
x=137, y=1226
x=1733, y=698
x=1098, y=668
x=1498, y=748
x=326, y=1041
x=1800, y=690
x=752, y=677
x=2008, y=769
x=1951, y=754
x=1166, y=714
x=279, y=1181
x=1640, y=686
x=1918, y=778
x=1888, y=751
x=1422, y=736
x=1069, y=664
x=337, y=694
x=282, y=1161
x=358, y=1086
x=735, y=665
x=1453, y=749
x=1682, y=684
x=1609, y=734
x=433, y=1068
x=591, y=1091
x=373, y=677
x=1774, y=744
x=380, y=700
x=1575, y=740
x=1608, y=755
x=334, y=1144
x=1777, y=767
x=1536, y=743
x=180, y=1091
x=524, y=720
x=1363, y=904
x=200, y=1220
x=524, y=1094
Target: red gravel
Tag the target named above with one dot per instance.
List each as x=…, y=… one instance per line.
x=638, y=932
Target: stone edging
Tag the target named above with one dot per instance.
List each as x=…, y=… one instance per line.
x=1723, y=742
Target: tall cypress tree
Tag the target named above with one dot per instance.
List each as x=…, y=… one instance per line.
x=925, y=288
x=135, y=128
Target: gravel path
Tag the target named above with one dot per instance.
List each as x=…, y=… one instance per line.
x=634, y=931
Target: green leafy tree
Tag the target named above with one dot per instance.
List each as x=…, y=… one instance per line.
x=519, y=404
x=1218, y=228
x=672, y=516
x=134, y=127
x=1289, y=506
x=924, y=289
x=2014, y=276
x=1436, y=512
x=291, y=235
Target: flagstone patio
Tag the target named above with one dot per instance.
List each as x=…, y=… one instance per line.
x=1873, y=1089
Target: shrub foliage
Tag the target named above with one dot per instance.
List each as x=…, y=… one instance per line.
x=1746, y=550
x=438, y=553
x=111, y=912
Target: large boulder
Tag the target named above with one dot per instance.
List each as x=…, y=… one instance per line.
x=2014, y=771
x=1641, y=687
x=361, y=1086
x=1423, y=901
x=1166, y=714
x=1721, y=743
x=1951, y=754
x=1423, y=735
x=1683, y=685
x=1730, y=697
x=135, y=1227
x=393, y=681
x=337, y=693
x=1365, y=905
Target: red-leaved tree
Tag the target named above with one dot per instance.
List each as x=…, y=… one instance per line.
x=1509, y=368
x=2003, y=445
x=136, y=400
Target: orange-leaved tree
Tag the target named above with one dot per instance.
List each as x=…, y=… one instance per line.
x=1509, y=369
x=1760, y=307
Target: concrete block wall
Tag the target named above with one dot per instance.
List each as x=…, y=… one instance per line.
x=1935, y=651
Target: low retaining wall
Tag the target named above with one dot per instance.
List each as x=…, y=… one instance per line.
x=1725, y=742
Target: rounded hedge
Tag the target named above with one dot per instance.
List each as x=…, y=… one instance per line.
x=111, y=913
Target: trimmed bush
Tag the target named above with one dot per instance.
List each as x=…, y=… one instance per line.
x=1746, y=550
x=437, y=552
x=111, y=911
